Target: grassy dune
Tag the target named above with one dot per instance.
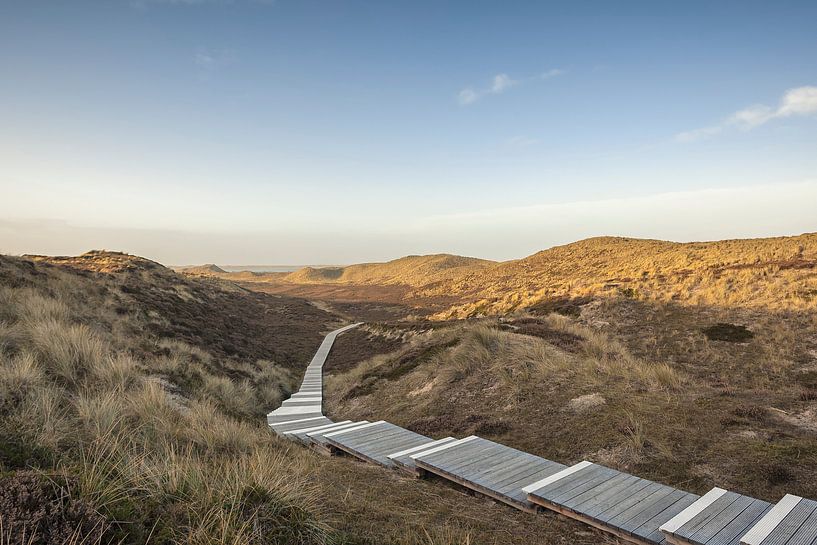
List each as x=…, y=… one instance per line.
x=773, y=273
x=110, y=434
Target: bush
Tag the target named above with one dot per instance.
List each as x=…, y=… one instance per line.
x=37, y=511
x=729, y=333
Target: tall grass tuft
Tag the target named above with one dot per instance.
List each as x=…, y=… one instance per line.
x=70, y=352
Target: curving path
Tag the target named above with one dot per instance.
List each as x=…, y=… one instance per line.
x=624, y=505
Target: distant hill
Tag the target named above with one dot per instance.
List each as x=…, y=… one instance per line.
x=208, y=269
x=411, y=270
x=778, y=273
x=774, y=273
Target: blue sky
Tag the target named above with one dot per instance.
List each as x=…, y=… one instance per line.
x=332, y=132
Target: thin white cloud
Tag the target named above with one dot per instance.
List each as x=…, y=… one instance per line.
x=551, y=73
x=208, y=60
x=800, y=101
x=499, y=84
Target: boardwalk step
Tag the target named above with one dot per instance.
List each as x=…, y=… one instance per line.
x=402, y=459
x=792, y=521
x=619, y=503
x=490, y=468
x=374, y=442
x=719, y=517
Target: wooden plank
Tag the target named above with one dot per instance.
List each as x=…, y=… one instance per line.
x=620, y=486
x=374, y=447
x=514, y=489
x=631, y=498
x=718, y=522
x=319, y=443
x=790, y=524
x=597, y=495
x=658, y=504
x=459, y=443
x=282, y=427
x=304, y=430
x=567, y=483
x=419, y=448
x=482, y=461
x=732, y=532
x=770, y=520
x=397, y=442
x=526, y=472
x=507, y=473
x=275, y=418
x=557, y=476
x=708, y=516
x=302, y=435
x=693, y=510
x=492, y=471
x=649, y=531
x=614, y=484
x=640, y=507
x=367, y=435
x=319, y=435
x=403, y=460
x=462, y=453
x=807, y=533
x=601, y=475
x=355, y=428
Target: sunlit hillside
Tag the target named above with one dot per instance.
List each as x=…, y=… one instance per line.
x=411, y=271
x=774, y=273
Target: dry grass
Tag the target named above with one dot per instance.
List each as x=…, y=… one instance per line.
x=668, y=403
x=772, y=274
x=71, y=352
x=198, y=468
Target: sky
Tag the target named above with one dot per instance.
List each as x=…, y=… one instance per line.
x=305, y=132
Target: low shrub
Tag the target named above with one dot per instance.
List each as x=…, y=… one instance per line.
x=38, y=511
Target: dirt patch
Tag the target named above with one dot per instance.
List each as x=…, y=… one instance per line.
x=424, y=389
x=560, y=339
x=460, y=425
x=805, y=420
x=728, y=332
x=566, y=306
x=586, y=403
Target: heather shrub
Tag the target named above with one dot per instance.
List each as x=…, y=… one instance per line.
x=37, y=511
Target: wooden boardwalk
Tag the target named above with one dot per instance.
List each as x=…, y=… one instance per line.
x=634, y=509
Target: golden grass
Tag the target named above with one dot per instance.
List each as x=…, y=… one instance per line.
x=133, y=443
x=772, y=273
x=69, y=351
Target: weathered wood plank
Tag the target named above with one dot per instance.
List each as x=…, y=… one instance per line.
x=492, y=473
